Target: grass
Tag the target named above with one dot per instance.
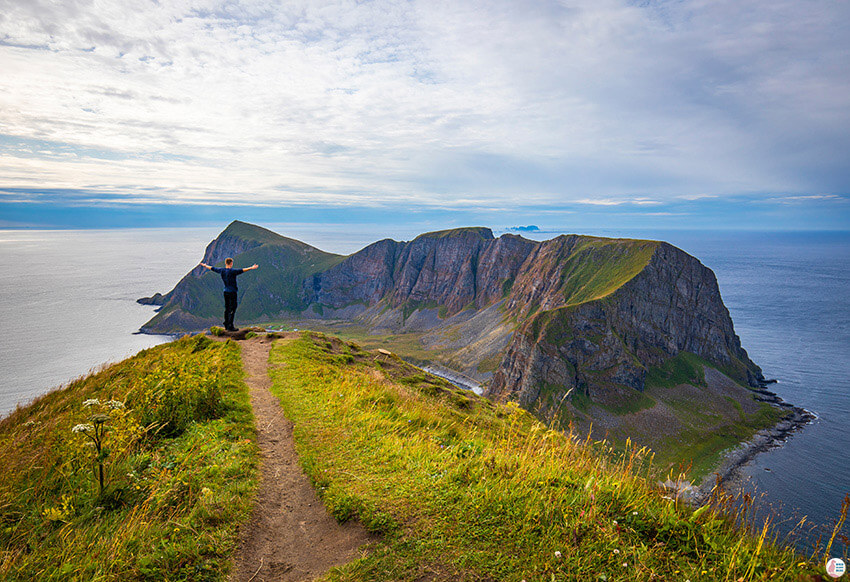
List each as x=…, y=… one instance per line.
x=597, y=267
x=180, y=469
x=700, y=451
x=684, y=368
x=481, y=231
x=408, y=345
x=463, y=489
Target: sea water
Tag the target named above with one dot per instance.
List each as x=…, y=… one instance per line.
x=68, y=300
x=68, y=306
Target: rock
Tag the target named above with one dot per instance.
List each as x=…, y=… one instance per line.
x=672, y=304
x=155, y=299
x=570, y=316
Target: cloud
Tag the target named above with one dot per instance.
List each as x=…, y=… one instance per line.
x=641, y=201
x=342, y=102
x=807, y=198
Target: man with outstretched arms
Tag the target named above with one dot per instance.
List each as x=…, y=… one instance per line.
x=228, y=275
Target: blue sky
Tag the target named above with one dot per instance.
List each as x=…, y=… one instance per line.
x=581, y=113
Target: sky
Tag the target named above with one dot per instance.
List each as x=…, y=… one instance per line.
x=583, y=113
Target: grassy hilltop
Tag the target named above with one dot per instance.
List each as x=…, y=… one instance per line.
x=458, y=487
x=465, y=489
x=180, y=466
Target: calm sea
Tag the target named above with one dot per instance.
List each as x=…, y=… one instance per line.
x=68, y=305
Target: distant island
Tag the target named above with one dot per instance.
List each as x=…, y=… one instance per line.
x=625, y=339
x=529, y=228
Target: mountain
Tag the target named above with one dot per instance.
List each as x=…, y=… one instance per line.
x=610, y=333
x=196, y=302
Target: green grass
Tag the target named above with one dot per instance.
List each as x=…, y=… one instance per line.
x=700, y=451
x=684, y=368
x=180, y=471
x=633, y=401
x=481, y=231
x=597, y=267
x=490, y=363
x=464, y=489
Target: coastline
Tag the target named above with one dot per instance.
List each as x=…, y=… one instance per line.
x=728, y=475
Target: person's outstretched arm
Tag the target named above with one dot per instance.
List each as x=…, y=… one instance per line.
x=252, y=267
x=206, y=266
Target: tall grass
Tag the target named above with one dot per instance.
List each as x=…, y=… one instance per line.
x=463, y=489
x=180, y=469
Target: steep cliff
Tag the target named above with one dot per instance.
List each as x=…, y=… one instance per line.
x=666, y=302
x=542, y=323
x=456, y=270
x=629, y=337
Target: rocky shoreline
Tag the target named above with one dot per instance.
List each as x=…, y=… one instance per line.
x=729, y=471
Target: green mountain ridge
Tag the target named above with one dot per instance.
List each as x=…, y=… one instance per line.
x=571, y=328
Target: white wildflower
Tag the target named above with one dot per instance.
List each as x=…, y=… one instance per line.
x=114, y=404
x=634, y=513
x=85, y=427
x=615, y=522
x=91, y=402
x=616, y=551
x=625, y=564
x=558, y=554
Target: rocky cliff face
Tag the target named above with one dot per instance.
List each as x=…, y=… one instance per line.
x=456, y=270
x=571, y=317
x=597, y=348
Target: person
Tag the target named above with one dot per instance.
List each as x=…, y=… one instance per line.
x=228, y=275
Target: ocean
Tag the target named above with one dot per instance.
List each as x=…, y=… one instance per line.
x=68, y=306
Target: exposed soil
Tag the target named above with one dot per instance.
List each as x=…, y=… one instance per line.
x=290, y=535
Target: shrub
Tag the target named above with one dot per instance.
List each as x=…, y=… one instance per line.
x=182, y=389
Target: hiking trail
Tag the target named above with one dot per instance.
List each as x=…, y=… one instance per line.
x=290, y=536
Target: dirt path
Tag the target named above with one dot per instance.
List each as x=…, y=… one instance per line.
x=290, y=536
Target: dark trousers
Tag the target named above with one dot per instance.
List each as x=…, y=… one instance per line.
x=229, y=309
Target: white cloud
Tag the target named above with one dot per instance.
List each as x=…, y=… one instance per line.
x=443, y=102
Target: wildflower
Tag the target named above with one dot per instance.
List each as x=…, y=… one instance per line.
x=114, y=404
x=615, y=522
x=616, y=551
x=625, y=564
x=91, y=402
x=634, y=513
x=85, y=427
x=558, y=554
